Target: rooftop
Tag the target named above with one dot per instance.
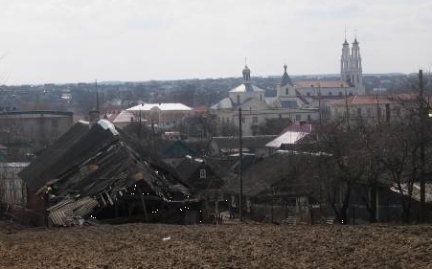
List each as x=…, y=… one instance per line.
x=322, y=84
x=161, y=106
x=247, y=88
x=359, y=100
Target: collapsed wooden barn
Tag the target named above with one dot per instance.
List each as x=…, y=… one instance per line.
x=97, y=171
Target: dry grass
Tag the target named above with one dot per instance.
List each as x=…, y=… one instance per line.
x=227, y=246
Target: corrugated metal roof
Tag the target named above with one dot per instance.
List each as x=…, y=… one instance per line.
x=61, y=213
x=288, y=137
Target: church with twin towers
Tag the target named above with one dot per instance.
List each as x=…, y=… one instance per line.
x=351, y=65
x=299, y=101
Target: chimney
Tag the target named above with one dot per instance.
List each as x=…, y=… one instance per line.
x=93, y=118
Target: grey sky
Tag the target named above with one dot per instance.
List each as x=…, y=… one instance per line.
x=82, y=40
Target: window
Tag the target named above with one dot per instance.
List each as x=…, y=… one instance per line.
x=369, y=112
x=308, y=94
x=238, y=99
x=203, y=174
x=286, y=91
x=243, y=120
x=298, y=117
x=359, y=111
x=227, y=120
x=340, y=93
x=309, y=117
x=330, y=94
x=254, y=119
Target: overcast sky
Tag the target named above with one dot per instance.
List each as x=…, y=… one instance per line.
x=59, y=41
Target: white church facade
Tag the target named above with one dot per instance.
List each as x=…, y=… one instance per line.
x=298, y=101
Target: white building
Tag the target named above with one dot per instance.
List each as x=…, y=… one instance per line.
x=350, y=83
x=256, y=108
x=165, y=115
x=298, y=101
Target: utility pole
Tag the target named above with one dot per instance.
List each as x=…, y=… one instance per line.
x=422, y=147
x=346, y=107
x=97, y=96
x=319, y=104
x=240, y=165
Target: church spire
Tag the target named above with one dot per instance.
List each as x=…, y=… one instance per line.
x=345, y=43
x=345, y=60
x=286, y=80
x=246, y=75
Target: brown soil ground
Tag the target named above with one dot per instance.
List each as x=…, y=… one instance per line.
x=225, y=246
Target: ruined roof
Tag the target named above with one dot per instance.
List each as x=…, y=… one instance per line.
x=87, y=162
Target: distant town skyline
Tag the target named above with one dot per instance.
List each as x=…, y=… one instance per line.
x=59, y=41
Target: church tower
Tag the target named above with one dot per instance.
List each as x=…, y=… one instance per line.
x=345, y=62
x=351, y=66
x=356, y=68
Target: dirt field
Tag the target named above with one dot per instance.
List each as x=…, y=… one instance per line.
x=227, y=246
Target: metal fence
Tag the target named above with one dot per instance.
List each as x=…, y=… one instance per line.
x=324, y=214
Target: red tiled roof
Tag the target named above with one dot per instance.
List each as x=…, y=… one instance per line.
x=322, y=84
x=359, y=100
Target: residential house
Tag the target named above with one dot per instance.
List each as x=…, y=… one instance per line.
x=176, y=152
x=224, y=146
x=96, y=166
x=166, y=116
x=293, y=135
